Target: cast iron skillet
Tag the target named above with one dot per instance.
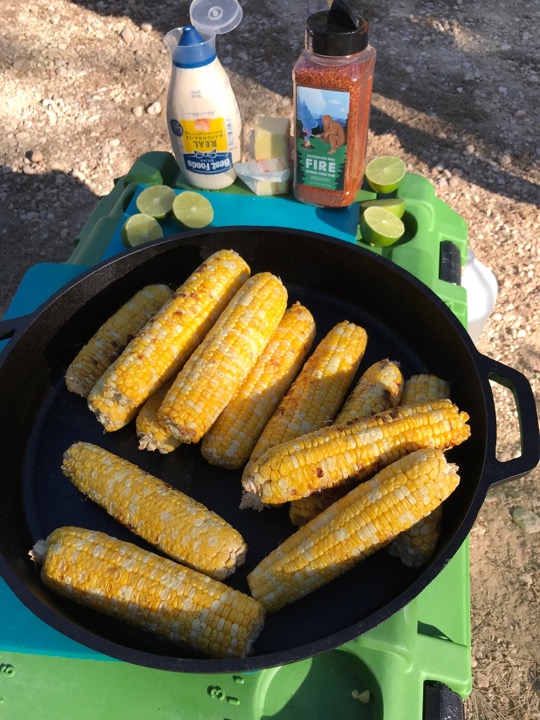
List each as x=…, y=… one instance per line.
x=405, y=321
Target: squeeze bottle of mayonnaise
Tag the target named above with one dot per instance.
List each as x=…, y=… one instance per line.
x=203, y=116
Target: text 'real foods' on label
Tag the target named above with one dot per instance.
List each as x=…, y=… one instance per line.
x=206, y=144
x=332, y=85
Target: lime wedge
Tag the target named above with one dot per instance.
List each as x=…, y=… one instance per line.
x=139, y=229
x=192, y=209
x=384, y=173
x=380, y=227
x=395, y=205
x=156, y=201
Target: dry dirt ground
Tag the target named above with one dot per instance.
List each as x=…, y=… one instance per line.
x=83, y=90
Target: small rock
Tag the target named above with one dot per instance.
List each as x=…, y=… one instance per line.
x=115, y=142
x=526, y=579
x=146, y=27
x=481, y=681
x=470, y=149
x=506, y=160
x=520, y=114
x=35, y=156
x=506, y=46
x=138, y=110
x=154, y=108
x=526, y=520
x=127, y=35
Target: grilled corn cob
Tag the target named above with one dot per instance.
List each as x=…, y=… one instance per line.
x=415, y=546
x=378, y=389
x=164, y=344
x=214, y=373
x=231, y=439
x=317, y=393
x=424, y=388
x=166, y=518
x=327, y=457
x=153, y=593
x=112, y=337
x=354, y=527
x=152, y=434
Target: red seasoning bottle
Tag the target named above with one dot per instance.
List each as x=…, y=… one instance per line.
x=332, y=81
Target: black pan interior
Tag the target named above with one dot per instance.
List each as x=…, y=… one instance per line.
x=336, y=281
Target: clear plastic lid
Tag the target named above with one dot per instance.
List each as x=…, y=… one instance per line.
x=215, y=17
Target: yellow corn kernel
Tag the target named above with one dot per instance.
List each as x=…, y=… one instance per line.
x=415, y=546
x=354, y=527
x=232, y=438
x=112, y=337
x=218, y=367
x=317, y=393
x=378, y=389
x=424, y=388
x=152, y=434
x=165, y=343
x=179, y=526
x=153, y=593
x=328, y=457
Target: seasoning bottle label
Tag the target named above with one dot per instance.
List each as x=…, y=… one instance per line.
x=206, y=144
x=321, y=137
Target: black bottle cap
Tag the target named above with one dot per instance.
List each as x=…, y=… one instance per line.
x=336, y=32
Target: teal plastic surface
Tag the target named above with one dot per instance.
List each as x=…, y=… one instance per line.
x=380, y=675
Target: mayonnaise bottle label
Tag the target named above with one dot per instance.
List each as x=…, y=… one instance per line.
x=206, y=144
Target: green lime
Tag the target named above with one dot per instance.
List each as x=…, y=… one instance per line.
x=395, y=205
x=384, y=173
x=156, y=201
x=192, y=209
x=139, y=229
x=380, y=227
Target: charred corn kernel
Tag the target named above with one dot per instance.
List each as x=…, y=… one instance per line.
x=305, y=509
x=179, y=526
x=152, y=434
x=165, y=343
x=317, y=393
x=354, y=527
x=218, y=367
x=327, y=457
x=112, y=337
x=153, y=593
x=231, y=439
x=378, y=389
x=415, y=546
x=424, y=388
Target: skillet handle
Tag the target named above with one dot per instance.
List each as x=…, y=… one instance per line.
x=497, y=471
x=13, y=327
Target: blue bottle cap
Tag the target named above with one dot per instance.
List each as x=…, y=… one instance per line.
x=189, y=49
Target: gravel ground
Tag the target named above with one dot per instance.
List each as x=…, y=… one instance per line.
x=456, y=95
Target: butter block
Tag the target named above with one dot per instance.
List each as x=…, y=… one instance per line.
x=270, y=138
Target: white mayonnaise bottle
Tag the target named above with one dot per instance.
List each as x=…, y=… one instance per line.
x=203, y=116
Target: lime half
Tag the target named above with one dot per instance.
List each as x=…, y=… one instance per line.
x=192, y=209
x=380, y=227
x=395, y=205
x=156, y=201
x=139, y=229
x=384, y=173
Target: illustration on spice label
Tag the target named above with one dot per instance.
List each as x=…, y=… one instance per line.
x=321, y=146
